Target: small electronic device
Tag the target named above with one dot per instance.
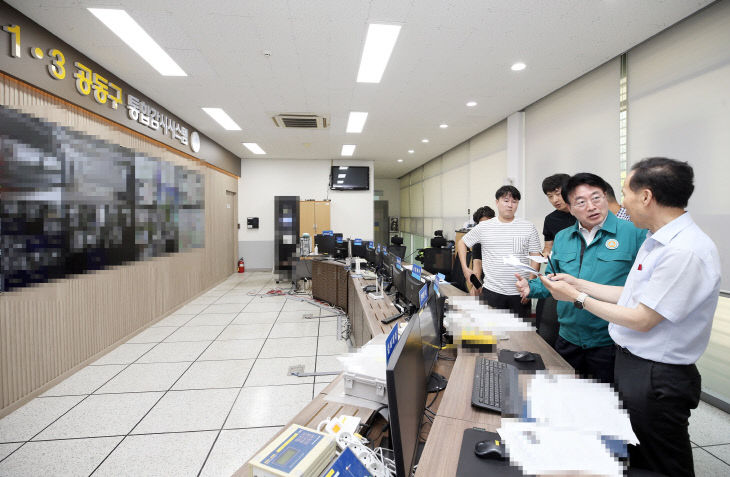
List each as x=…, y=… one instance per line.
x=524, y=356
x=475, y=281
x=297, y=451
x=489, y=449
x=495, y=387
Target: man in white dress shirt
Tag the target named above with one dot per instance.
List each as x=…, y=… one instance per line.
x=661, y=318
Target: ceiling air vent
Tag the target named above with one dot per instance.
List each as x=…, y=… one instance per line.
x=306, y=121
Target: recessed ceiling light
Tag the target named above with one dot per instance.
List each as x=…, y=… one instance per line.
x=344, y=168
x=356, y=122
x=411, y=151
x=341, y=176
x=340, y=182
x=443, y=125
x=471, y=104
x=129, y=31
x=222, y=118
x=379, y=44
x=348, y=149
x=518, y=66
x=253, y=147
x=424, y=140
x=400, y=160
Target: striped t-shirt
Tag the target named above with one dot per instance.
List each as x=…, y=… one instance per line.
x=500, y=240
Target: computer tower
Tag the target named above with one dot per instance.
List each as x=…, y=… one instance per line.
x=286, y=228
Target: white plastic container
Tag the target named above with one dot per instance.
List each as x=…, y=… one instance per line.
x=365, y=387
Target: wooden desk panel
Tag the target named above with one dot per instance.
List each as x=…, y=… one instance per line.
x=441, y=455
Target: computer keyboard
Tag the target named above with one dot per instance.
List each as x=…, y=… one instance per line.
x=496, y=387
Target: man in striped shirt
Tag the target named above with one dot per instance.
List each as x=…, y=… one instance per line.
x=500, y=238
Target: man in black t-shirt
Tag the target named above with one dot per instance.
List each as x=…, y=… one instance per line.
x=555, y=221
x=481, y=214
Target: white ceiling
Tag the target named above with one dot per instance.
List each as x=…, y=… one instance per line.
x=448, y=52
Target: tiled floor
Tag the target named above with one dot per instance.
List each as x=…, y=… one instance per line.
x=196, y=394
x=200, y=391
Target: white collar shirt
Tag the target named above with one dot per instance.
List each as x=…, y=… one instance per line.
x=589, y=235
x=677, y=274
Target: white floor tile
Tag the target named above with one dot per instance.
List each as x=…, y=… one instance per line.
x=292, y=305
x=174, y=352
x=7, y=449
x=76, y=457
x=212, y=319
x=159, y=455
x=153, y=335
x=296, y=317
x=287, y=347
x=328, y=328
x=329, y=345
x=124, y=354
x=264, y=317
x=102, y=415
x=234, y=448
x=215, y=374
x=272, y=371
x=27, y=421
x=145, y=377
x=194, y=410
x=268, y=405
x=204, y=300
x=195, y=333
x=233, y=349
x=294, y=330
x=318, y=388
x=215, y=294
x=257, y=305
x=721, y=452
x=709, y=425
x=173, y=320
x=327, y=363
x=245, y=332
x=85, y=381
x=234, y=299
x=707, y=464
x=191, y=309
x=224, y=308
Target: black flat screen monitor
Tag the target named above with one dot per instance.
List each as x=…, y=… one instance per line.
x=399, y=279
x=379, y=257
x=358, y=250
x=370, y=255
x=325, y=244
x=438, y=260
x=399, y=250
x=413, y=286
x=430, y=325
x=350, y=178
x=406, y=385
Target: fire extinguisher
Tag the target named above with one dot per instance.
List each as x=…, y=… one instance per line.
x=240, y=266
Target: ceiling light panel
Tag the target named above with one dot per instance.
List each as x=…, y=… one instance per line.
x=348, y=149
x=254, y=148
x=379, y=44
x=518, y=67
x=129, y=31
x=356, y=122
x=222, y=118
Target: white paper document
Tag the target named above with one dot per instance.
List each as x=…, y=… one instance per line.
x=522, y=267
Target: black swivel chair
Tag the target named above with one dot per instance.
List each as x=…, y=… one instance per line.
x=547, y=320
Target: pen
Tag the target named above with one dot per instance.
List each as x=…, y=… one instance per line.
x=551, y=265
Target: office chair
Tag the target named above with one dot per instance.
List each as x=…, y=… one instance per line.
x=547, y=320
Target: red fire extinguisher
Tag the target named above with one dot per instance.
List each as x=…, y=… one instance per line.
x=240, y=266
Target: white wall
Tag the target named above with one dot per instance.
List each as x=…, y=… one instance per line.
x=351, y=212
x=391, y=193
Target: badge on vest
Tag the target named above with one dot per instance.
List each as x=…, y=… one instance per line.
x=612, y=244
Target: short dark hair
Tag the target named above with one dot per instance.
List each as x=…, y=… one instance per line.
x=610, y=194
x=507, y=190
x=482, y=212
x=671, y=182
x=555, y=181
x=583, y=178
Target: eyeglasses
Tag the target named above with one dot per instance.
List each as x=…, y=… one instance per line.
x=595, y=199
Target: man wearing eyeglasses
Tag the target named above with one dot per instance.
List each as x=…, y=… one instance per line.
x=599, y=248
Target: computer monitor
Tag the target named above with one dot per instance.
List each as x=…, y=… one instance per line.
x=340, y=247
x=325, y=244
x=379, y=257
x=358, y=250
x=399, y=250
x=438, y=260
x=399, y=279
x=370, y=255
x=413, y=286
x=406, y=386
x=430, y=333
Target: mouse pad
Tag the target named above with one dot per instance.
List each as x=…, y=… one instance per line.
x=506, y=356
x=471, y=465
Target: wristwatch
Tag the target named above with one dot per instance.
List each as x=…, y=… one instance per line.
x=580, y=299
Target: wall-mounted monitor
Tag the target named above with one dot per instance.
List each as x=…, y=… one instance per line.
x=350, y=178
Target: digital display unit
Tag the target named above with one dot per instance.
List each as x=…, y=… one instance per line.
x=350, y=178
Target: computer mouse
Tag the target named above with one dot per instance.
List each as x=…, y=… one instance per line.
x=489, y=449
x=524, y=356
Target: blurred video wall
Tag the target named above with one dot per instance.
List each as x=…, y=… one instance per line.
x=71, y=203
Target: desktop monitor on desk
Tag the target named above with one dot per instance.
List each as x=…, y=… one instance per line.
x=358, y=250
x=370, y=255
x=431, y=322
x=406, y=386
x=399, y=279
x=379, y=257
x=413, y=286
x=325, y=244
x=438, y=260
x=398, y=250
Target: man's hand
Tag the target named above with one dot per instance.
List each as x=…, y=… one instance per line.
x=474, y=291
x=564, y=277
x=561, y=290
x=522, y=286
